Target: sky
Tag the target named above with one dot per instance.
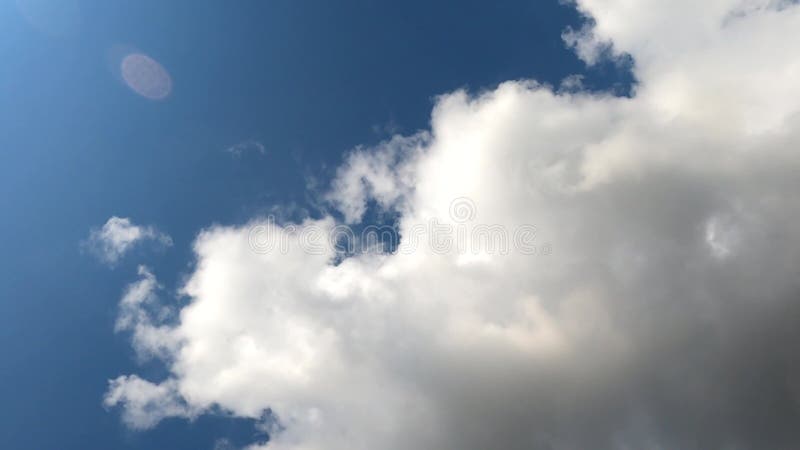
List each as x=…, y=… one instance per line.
x=615, y=183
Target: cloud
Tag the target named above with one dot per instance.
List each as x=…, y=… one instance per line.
x=381, y=175
x=145, y=403
x=249, y=146
x=146, y=319
x=141, y=314
x=118, y=236
x=224, y=444
x=665, y=316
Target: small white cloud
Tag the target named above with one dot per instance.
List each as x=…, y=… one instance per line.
x=118, y=236
x=249, y=146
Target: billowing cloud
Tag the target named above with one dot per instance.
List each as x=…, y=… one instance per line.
x=665, y=313
x=118, y=236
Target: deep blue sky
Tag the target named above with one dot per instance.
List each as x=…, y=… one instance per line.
x=308, y=79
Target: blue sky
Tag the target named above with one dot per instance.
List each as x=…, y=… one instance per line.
x=666, y=199
x=309, y=80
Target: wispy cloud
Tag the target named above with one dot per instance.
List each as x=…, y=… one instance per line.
x=249, y=146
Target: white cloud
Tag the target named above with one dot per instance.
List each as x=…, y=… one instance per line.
x=145, y=318
x=141, y=314
x=664, y=317
x=145, y=403
x=383, y=175
x=248, y=146
x=118, y=236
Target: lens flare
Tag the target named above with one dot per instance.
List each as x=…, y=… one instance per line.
x=146, y=76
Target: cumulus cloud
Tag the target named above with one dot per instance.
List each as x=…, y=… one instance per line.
x=665, y=316
x=118, y=236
